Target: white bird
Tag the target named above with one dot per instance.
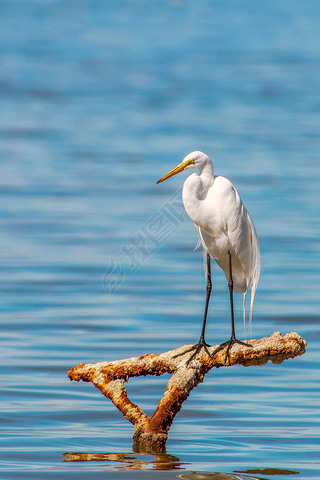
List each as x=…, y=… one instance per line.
x=227, y=234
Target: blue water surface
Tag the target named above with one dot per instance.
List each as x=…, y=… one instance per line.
x=99, y=99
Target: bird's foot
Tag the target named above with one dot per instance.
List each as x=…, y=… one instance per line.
x=229, y=344
x=195, y=349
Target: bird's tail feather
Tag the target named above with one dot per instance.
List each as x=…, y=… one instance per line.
x=244, y=312
x=253, y=292
x=255, y=270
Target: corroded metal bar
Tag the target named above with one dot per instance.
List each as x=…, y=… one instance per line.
x=150, y=434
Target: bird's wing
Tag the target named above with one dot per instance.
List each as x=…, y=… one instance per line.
x=241, y=233
x=243, y=240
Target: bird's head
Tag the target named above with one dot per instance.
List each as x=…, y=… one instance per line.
x=194, y=160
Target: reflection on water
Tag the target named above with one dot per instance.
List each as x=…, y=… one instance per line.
x=215, y=476
x=269, y=471
x=162, y=461
x=165, y=461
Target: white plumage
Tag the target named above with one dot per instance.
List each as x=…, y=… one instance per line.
x=223, y=223
x=225, y=227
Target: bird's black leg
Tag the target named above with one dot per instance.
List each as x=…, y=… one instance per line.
x=209, y=289
x=202, y=343
x=233, y=338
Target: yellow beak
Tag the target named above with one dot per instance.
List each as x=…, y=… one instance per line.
x=176, y=170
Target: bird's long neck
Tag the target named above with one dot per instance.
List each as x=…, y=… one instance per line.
x=195, y=190
x=206, y=176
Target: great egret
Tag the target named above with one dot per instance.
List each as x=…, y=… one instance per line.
x=226, y=232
